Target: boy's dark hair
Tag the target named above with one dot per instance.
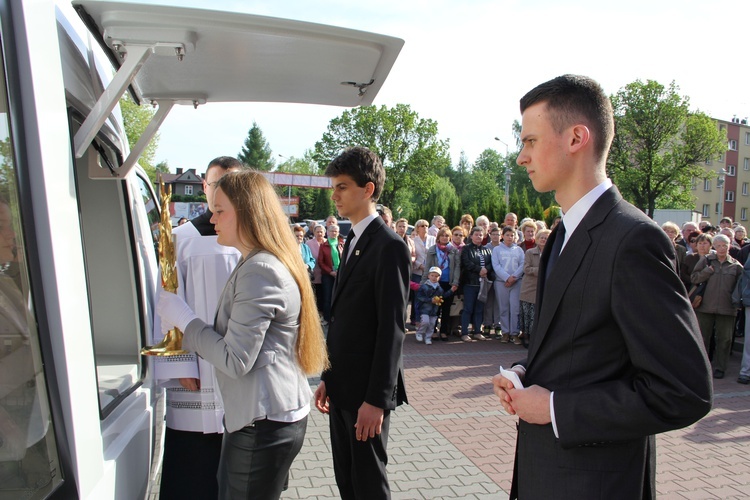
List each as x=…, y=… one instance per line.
x=225, y=162
x=574, y=98
x=362, y=165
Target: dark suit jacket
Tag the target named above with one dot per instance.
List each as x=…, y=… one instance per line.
x=367, y=327
x=617, y=341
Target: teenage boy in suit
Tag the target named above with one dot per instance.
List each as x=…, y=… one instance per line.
x=616, y=355
x=366, y=331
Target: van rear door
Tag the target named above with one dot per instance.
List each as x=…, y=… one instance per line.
x=178, y=56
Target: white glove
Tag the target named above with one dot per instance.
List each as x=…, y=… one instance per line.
x=173, y=311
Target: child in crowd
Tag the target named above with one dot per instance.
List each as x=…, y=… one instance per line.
x=430, y=298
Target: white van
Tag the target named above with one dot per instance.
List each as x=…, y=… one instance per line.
x=78, y=218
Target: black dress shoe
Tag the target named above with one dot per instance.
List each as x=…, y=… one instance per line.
x=718, y=374
x=743, y=380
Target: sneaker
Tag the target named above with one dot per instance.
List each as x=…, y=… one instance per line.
x=428, y=341
x=466, y=338
x=505, y=338
x=419, y=337
x=743, y=380
x=479, y=336
x=517, y=340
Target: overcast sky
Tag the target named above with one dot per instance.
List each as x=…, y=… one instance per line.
x=466, y=64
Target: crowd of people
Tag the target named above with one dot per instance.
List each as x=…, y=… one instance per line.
x=486, y=274
x=711, y=263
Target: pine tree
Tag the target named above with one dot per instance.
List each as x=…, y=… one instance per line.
x=256, y=153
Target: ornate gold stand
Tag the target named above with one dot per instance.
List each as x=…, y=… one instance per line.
x=172, y=343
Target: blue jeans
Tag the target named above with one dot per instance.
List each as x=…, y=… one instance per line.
x=473, y=310
x=417, y=278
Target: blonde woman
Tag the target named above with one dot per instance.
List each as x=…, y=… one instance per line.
x=265, y=338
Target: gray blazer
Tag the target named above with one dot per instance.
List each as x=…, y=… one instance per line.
x=454, y=264
x=252, y=343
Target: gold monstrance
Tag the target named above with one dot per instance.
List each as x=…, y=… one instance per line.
x=172, y=343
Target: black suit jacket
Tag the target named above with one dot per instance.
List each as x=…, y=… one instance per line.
x=367, y=327
x=617, y=341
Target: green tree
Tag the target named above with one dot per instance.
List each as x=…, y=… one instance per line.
x=256, y=152
x=405, y=206
x=135, y=119
x=660, y=145
x=459, y=177
x=323, y=204
x=484, y=196
x=442, y=200
x=408, y=146
x=537, y=210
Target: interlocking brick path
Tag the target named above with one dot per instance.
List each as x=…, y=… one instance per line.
x=455, y=441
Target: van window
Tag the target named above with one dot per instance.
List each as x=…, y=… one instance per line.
x=112, y=275
x=29, y=466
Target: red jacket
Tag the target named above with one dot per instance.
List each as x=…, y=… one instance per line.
x=325, y=260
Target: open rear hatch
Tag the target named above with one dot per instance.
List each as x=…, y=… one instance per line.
x=172, y=55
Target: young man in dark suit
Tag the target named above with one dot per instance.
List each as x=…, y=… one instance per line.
x=616, y=355
x=366, y=331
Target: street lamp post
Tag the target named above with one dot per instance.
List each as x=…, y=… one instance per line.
x=720, y=184
x=507, y=173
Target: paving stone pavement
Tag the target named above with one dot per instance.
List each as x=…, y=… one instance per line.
x=455, y=441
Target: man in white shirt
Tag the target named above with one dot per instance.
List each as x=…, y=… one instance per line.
x=616, y=355
x=192, y=443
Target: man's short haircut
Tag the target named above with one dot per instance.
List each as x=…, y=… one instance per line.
x=575, y=99
x=225, y=162
x=383, y=210
x=508, y=229
x=362, y=165
x=475, y=229
x=483, y=218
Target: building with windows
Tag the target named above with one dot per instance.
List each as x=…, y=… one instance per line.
x=186, y=183
x=728, y=193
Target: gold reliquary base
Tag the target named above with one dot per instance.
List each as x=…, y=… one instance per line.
x=170, y=346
